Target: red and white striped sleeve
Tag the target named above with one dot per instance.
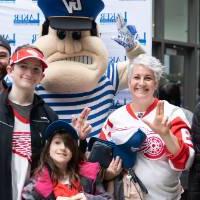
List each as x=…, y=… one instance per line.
x=184, y=157
x=106, y=130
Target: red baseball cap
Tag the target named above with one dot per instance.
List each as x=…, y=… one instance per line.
x=26, y=53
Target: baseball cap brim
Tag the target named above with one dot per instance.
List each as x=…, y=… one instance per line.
x=60, y=125
x=70, y=23
x=25, y=53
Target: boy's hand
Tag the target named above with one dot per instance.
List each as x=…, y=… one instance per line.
x=81, y=124
x=127, y=34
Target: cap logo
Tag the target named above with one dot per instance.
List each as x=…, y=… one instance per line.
x=72, y=5
x=32, y=52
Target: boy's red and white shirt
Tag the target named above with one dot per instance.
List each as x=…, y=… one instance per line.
x=21, y=154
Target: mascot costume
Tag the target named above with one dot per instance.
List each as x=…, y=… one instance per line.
x=79, y=75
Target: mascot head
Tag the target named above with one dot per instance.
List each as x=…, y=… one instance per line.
x=76, y=56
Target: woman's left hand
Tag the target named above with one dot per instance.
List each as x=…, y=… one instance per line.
x=160, y=124
x=81, y=124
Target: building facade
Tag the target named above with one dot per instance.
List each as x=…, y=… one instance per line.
x=176, y=42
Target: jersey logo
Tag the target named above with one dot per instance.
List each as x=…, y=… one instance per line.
x=72, y=5
x=153, y=147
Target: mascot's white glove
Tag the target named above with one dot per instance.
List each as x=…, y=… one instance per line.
x=127, y=34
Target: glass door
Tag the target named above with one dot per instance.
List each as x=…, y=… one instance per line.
x=181, y=69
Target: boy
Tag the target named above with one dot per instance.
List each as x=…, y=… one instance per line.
x=23, y=119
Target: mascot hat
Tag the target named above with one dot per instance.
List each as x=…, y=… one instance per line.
x=71, y=14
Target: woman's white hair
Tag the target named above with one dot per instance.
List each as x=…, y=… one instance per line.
x=149, y=62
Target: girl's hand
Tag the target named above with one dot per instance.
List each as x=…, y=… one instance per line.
x=79, y=196
x=81, y=124
x=114, y=168
x=63, y=198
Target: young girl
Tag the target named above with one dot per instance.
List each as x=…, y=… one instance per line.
x=62, y=174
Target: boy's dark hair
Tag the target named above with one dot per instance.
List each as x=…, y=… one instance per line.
x=4, y=43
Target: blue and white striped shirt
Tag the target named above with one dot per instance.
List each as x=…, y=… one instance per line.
x=100, y=100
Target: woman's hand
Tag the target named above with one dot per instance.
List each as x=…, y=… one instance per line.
x=114, y=168
x=161, y=126
x=81, y=124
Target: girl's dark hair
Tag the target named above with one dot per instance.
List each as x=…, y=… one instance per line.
x=73, y=165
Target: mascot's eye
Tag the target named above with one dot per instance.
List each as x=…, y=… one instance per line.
x=61, y=34
x=76, y=35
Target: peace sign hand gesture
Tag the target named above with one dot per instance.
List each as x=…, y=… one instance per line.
x=81, y=124
x=161, y=126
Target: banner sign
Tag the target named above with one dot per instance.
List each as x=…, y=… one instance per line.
x=21, y=20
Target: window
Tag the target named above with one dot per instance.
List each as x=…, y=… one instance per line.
x=153, y=20
x=176, y=20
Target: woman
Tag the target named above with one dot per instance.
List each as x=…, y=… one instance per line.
x=62, y=174
x=168, y=149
